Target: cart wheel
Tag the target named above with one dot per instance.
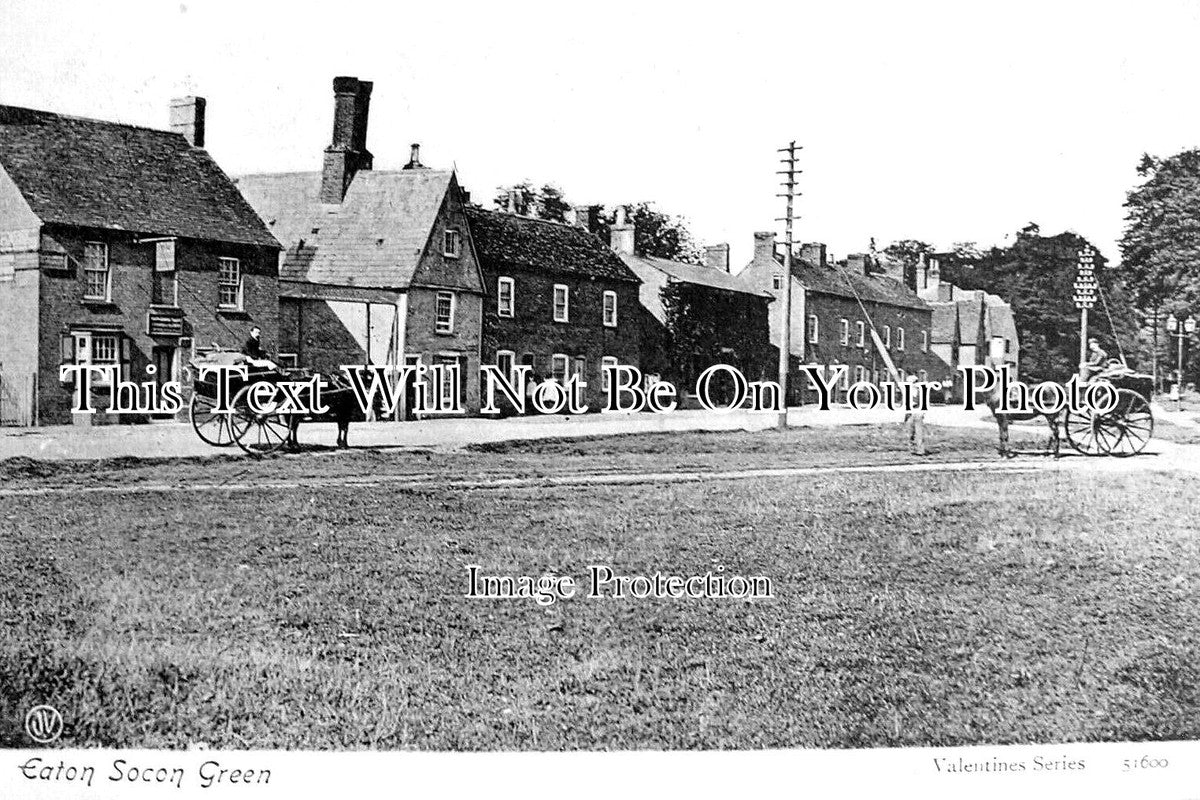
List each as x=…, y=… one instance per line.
x=259, y=433
x=215, y=428
x=1131, y=424
x=1081, y=432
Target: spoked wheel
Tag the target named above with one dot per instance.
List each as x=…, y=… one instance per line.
x=260, y=432
x=1081, y=432
x=215, y=428
x=1130, y=425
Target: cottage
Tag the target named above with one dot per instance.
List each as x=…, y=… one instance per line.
x=828, y=323
x=119, y=245
x=697, y=316
x=556, y=299
x=378, y=266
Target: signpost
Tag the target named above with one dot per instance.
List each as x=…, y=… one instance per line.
x=1086, y=289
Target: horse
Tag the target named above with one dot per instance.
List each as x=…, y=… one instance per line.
x=1004, y=419
x=343, y=408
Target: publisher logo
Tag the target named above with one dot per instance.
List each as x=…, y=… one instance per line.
x=43, y=724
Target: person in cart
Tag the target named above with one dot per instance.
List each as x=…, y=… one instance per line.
x=1097, y=359
x=253, y=350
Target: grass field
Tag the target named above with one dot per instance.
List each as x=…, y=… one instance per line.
x=909, y=609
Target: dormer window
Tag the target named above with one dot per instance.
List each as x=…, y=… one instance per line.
x=452, y=244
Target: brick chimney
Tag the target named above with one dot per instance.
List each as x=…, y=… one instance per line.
x=859, y=262
x=764, y=247
x=814, y=253
x=587, y=217
x=717, y=256
x=347, y=153
x=187, y=118
x=929, y=278
x=621, y=237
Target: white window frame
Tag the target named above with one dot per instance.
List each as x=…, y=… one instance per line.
x=610, y=314
x=511, y=357
x=440, y=326
x=501, y=284
x=814, y=329
x=777, y=282
x=606, y=361
x=845, y=331
x=555, y=360
x=566, y=302
x=579, y=367
x=899, y=338
x=887, y=335
x=860, y=333
x=452, y=243
x=223, y=283
x=924, y=341
x=89, y=269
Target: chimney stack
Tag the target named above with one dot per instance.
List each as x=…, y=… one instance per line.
x=814, y=253
x=587, y=217
x=187, y=118
x=414, y=159
x=764, y=247
x=622, y=234
x=347, y=153
x=717, y=256
x=859, y=262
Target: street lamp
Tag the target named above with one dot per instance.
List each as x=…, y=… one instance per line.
x=1181, y=330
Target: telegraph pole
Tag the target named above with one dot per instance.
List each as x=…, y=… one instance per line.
x=785, y=330
x=1085, y=298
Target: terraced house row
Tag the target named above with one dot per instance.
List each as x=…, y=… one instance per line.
x=129, y=246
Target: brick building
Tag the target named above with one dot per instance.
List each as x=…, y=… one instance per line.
x=119, y=245
x=697, y=316
x=378, y=266
x=828, y=325
x=556, y=298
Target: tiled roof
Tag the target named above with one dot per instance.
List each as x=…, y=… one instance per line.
x=837, y=279
x=507, y=240
x=84, y=172
x=690, y=273
x=373, y=238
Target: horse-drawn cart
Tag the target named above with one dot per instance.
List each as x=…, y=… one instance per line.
x=269, y=423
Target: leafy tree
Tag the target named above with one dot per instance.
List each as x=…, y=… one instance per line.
x=698, y=334
x=546, y=203
x=907, y=252
x=1160, y=249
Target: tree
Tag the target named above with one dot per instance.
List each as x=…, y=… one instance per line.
x=547, y=203
x=1160, y=249
x=908, y=252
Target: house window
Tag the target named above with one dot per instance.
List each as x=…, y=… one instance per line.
x=607, y=364
x=924, y=341
x=96, y=275
x=450, y=374
x=845, y=379
x=777, y=282
x=505, y=290
x=505, y=361
x=844, y=336
x=610, y=309
x=899, y=338
x=814, y=329
x=579, y=368
x=860, y=334
x=860, y=373
x=561, y=303
x=558, y=367
x=100, y=349
x=887, y=335
x=922, y=376
x=452, y=244
x=229, y=284
x=444, y=312
x=164, y=256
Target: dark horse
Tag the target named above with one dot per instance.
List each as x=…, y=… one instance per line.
x=339, y=398
x=1004, y=419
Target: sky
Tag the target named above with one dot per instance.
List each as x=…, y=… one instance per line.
x=945, y=122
